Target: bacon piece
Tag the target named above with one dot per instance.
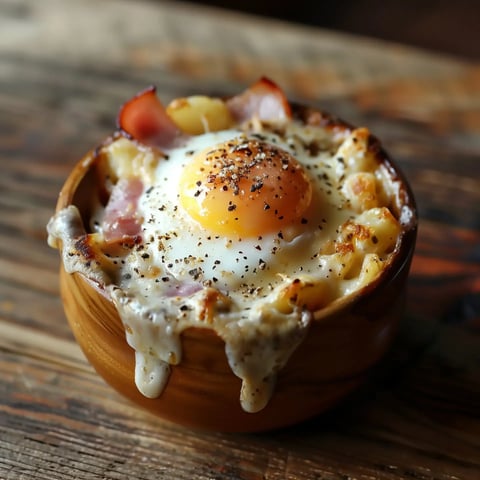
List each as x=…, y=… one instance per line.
x=121, y=220
x=144, y=119
x=264, y=100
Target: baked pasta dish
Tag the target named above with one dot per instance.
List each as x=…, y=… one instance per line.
x=243, y=215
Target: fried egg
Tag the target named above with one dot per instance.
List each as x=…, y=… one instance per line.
x=235, y=211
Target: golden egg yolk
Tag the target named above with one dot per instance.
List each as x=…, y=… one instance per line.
x=245, y=187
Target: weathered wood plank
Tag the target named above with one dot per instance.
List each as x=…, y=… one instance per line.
x=90, y=430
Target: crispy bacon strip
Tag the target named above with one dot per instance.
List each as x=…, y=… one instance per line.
x=264, y=100
x=144, y=119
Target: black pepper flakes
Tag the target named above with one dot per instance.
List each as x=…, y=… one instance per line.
x=195, y=273
x=256, y=186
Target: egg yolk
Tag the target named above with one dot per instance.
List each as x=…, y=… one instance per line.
x=245, y=187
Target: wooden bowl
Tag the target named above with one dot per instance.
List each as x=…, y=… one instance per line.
x=344, y=341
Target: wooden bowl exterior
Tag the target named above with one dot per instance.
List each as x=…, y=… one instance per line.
x=344, y=341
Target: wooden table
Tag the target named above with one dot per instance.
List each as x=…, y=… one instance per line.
x=65, y=67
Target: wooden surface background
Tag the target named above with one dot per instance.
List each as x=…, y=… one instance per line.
x=65, y=67
x=439, y=25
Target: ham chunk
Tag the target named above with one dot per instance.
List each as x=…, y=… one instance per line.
x=264, y=100
x=121, y=218
x=144, y=119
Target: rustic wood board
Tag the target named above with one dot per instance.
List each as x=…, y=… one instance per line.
x=64, y=70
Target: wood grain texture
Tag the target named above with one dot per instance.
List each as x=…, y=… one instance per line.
x=64, y=70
